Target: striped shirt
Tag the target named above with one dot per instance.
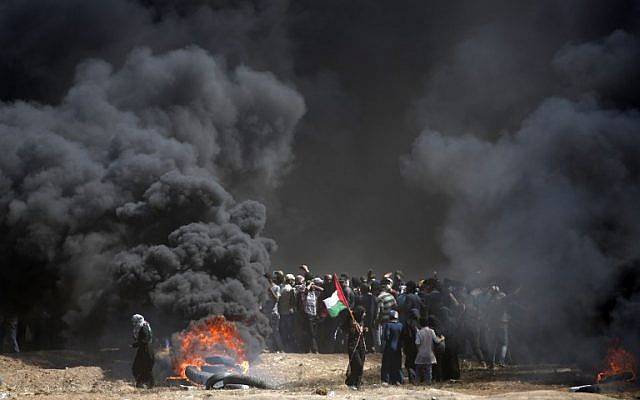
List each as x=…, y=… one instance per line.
x=386, y=303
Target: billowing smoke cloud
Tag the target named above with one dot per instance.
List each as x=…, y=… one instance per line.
x=552, y=206
x=607, y=68
x=42, y=41
x=360, y=65
x=141, y=157
x=116, y=196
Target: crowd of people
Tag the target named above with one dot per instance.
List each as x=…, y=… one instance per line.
x=428, y=324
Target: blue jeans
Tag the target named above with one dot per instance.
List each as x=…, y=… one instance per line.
x=423, y=371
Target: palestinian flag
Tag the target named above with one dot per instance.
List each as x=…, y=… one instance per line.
x=337, y=302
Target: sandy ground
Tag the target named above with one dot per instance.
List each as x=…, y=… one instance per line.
x=105, y=375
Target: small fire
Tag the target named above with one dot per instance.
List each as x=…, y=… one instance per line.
x=618, y=363
x=208, y=337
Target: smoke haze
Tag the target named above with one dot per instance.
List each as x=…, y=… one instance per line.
x=500, y=136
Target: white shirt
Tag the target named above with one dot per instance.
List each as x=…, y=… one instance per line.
x=426, y=339
x=311, y=302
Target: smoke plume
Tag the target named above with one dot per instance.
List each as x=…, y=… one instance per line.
x=552, y=206
x=115, y=196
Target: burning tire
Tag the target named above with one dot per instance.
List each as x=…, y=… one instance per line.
x=219, y=380
x=214, y=369
x=236, y=379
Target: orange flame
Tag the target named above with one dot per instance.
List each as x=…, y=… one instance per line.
x=207, y=337
x=618, y=362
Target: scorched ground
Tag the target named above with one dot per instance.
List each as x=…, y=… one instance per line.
x=106, y=375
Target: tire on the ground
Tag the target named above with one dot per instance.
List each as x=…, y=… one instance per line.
x=237, y=379
x=214, y=369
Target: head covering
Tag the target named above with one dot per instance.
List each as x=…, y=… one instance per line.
x=290, y=277
x=358, y=313
x=299, y=279
x=393, y=315
x=138, y=322
x=317, y=281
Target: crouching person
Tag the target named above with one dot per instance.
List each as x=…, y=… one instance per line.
x=143, y=363
x=426, y=339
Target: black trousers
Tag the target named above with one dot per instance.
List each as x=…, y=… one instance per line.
x=143, y=366
x=391, y=369
x=356, y=367
x=410, y=354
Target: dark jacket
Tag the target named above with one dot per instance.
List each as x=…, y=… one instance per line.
x=407, y=302
x=391, y=336
x=143, y=363
x=409, y=331
x=368, y=302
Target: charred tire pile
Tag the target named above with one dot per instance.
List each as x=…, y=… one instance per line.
x=224, y=379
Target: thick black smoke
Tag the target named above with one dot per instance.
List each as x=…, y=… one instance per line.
x=361, y=66
x=552, y=207
x=373, y=75
x=113, y=199
x=42, y=41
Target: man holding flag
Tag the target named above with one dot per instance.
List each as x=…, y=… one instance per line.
x=336, y=304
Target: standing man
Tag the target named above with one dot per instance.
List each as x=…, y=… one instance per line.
x=391, y=370
x=356, y=348
x=311, y=306
x=386, y=302
x=408, y=300
x=498, y=321
x=426, y=340
x=270, y=309
x=328, y=325
x=286, y=309
x=300, y=328
x=410, y=330
x=143, y=363
x=367, y=301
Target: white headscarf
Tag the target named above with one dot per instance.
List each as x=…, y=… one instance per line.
x=138, y=322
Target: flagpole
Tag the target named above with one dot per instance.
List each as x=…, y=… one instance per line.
x=342, y=297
